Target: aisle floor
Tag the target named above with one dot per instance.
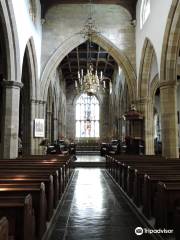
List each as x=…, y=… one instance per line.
x=90, y=158
x=94, y=208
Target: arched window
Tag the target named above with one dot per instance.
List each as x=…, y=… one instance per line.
x=145, y=11
x=87, y=116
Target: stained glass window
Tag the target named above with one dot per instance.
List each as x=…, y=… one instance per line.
x=87, y=116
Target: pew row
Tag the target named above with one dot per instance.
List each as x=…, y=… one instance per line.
x=153, y=184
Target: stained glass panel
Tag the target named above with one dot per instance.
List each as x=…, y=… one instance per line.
x=87, y=116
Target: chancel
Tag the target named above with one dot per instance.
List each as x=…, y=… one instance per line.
x=89, y=119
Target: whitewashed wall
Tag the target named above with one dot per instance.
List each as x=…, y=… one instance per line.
x=153, y=28
x=27, y=29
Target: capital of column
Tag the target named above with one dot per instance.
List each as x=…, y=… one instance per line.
x=11, y=84
x=166, y=84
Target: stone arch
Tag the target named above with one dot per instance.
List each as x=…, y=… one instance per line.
x=32, y=62
x=75, y=41
x=11, y=37
x=171, y=44
x=28, y=94
x=155, y=84
x=148, y=53
x=168, y=81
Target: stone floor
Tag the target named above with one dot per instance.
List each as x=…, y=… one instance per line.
x=90, y=158
x=94, y=208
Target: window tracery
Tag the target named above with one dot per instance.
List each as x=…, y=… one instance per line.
x=87, y=116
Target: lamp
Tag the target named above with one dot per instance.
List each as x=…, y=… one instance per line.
x=92, y=81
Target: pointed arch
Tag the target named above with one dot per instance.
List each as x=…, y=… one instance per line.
x=147, y=56
x=33, y=69
x=171, y=44
x=11, y=39
x=155, y=84
x=75, y=41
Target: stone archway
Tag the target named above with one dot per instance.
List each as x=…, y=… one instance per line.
x=144, y=94
x=28, y=95
x=168, y=82
x=75, y=41
x=148, y=54
x=170, y=48
x=11, y=82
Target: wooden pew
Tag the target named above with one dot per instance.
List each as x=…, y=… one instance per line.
x=167, y=199
x=139, y=179
x=4, y=228
x=47, y=180
x=150, y=189
x=38, y=167
x=61, y=166
x=19, y=213
x=38, y=199
x=176, y=221
x=35, y=174
x=35, y=170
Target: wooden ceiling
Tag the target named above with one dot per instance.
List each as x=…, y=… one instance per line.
x=130, y=5
x=79, y=58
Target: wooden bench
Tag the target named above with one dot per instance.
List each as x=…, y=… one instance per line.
x=150, y=189
x=176, y=221
x=167, y=199
x=47, y=180
x=139, y=179
x=38, y=199
x=62, y=167
x=4, y=228
x=19, y=213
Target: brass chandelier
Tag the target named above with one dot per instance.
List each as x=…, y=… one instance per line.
x=92, y=81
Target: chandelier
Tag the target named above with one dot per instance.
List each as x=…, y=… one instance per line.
x=92, y=81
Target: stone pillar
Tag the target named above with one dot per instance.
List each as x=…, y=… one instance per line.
x=104, y=127
x=168, y=103
x=146, y=108
x=37, y=111
x=56, y=130
x=49, y=125
x=10, y=119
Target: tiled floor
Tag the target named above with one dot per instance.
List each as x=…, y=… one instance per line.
x=95, y=209
x=90, y=158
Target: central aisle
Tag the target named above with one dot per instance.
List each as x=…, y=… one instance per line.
x=93, y=208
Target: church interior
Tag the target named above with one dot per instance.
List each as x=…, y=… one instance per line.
x=89, y=119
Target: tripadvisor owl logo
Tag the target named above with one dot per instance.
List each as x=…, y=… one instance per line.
x=139, y=231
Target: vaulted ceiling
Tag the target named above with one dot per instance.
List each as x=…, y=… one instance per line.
x=130, y=5
x=79, y=58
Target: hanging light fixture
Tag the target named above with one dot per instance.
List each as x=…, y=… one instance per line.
x=92, y=81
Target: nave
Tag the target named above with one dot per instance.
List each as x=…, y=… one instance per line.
x=94, y=208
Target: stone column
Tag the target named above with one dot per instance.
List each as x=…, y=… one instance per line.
x=49, y=125
x=11, y=96
x=56, y=131
x=146, y=108
x=168, y=103
x=37, y=111
x=104, y=127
